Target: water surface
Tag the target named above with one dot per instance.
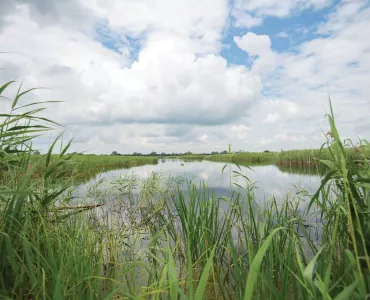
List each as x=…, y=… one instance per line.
x=268, y=180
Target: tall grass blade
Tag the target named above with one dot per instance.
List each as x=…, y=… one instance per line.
x=256, y=265
x=204, y=277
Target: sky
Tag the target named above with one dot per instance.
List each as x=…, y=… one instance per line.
x=190, y=75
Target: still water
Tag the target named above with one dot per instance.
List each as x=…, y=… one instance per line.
x=268, y=180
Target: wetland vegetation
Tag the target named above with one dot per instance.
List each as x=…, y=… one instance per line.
x=83, y=167
x=149, y=239
x=300, y=158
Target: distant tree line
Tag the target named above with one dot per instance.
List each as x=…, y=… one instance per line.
x=153, y=153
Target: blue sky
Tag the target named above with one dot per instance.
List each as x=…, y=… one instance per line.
x=297, y=28
x=175, y=75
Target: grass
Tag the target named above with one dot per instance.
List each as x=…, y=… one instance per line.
x=86, y=166
x=152, y=240
x=244, y=158
x=313, y=156
x=304, y=158
x=80, y=167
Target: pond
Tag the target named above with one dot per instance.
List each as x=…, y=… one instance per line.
x=268, y=180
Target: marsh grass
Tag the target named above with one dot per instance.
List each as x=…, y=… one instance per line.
x=84, y=167
x=152, y=240
x=244, y=158
x=309, y=159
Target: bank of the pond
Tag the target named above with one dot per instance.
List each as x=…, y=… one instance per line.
x=244, y=158
x=84, y=167
x=89, y=165
x=300, y=158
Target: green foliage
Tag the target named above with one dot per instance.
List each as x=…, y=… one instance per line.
x=242, y=158
x=355, y=153
x=83, y=167
x=303, y=158
x=22, y=203
x=152, y=240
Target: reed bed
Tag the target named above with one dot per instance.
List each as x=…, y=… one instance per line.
x=152, y=240
x=314, y=156
x=84, y=167
x=243, y=158
x=95, y=161
x=246, y=157
x=300, y=158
